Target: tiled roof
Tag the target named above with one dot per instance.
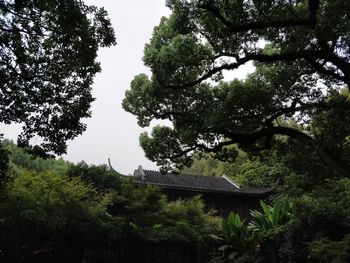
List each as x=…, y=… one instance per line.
x=196, y=183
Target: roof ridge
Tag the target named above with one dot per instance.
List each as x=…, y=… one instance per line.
x=196, y=175
x=228, y=179
x=194, y=182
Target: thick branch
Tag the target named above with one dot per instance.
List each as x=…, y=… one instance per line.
x=340, y=63
x=268, y=132
x=294, y=108
x=251, y=57
x=181, y=154
x=250, y=138
x=218, y=147
x=325, y=71
x=328, y=157
x=310, y=21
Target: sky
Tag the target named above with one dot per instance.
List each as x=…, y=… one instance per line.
x=112, y=132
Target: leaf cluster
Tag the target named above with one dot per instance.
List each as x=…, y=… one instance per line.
x=301, y=56
x=257, y=240
x=47, y=64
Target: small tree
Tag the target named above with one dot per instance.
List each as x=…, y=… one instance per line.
x=45, y=213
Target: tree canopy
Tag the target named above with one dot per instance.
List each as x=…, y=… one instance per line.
x=301, y=53
x=47, y=64
x=52, y=211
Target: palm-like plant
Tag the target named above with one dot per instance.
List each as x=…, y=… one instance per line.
x=238, y=240
x=272, y=218
x=267, y=226
x=233, y=227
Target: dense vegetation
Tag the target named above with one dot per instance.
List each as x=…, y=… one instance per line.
x=301, y=53
x=47, y=65
x=287, y=122
x=320, y=223
x=53, y=210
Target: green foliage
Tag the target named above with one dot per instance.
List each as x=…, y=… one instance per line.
x=100, y=176
x=321, y=215
x=272, y=221
x=334, y=122
x=4, y=159
x=20, y=161
x=328, y=251
x=256, y=173
x=147, y=215
x=144, y=212
x=290, y=115
x=46, y=211
x=56, y=200
x=209, y=165
x=237, y=238
x=261, y=170
x=301, y=55
x=166, y=141
x=234, y=227
x=48, y=62
x=52, y=207
x=265, y=229
x=184, y=221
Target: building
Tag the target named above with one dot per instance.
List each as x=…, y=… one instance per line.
x=221, y=194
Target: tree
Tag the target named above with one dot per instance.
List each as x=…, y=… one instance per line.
x=144, y=212
x=47, y=64
x=100, y=176
x=301, y=53
x=208, y=165
x=47, y=215
x=4, y=159
x=262, y=169
x=19, y=162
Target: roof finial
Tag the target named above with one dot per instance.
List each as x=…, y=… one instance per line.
x=142, y=173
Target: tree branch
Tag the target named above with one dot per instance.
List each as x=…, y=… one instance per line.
x=218, y=147
x=327, y=156
x=251, y=57
x=182, y=153
x=310, y=21
x=293, y=109
x=325, y=71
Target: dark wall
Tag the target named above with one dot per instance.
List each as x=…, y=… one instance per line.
x=223, y=204
x=134, y=251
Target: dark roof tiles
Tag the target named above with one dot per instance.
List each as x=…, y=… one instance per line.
x=195, y=183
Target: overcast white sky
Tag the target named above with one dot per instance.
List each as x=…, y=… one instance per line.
x=112, y=132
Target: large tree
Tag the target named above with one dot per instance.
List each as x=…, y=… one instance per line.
x=48, y=52
x=301, y=51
